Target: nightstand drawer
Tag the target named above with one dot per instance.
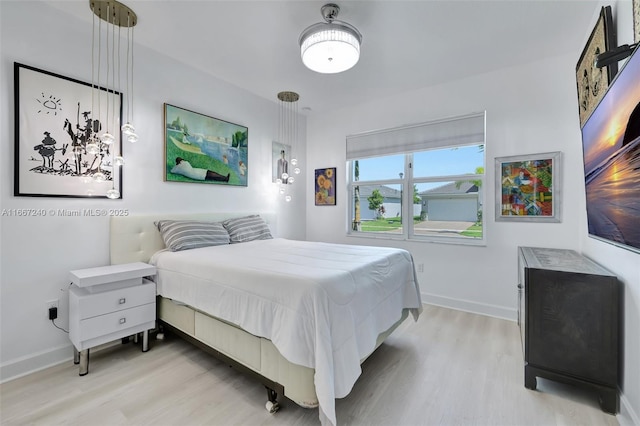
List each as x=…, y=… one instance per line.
x=95, y=304
x=113, y=322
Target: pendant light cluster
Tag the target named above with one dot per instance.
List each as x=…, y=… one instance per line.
x=288, y=135
x=107, y=67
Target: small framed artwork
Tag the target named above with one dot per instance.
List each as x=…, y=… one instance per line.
x=203, y=149
x=280, y=157
x=325, y=186
x=528, y=188
x=55, y=121
x=592, y=82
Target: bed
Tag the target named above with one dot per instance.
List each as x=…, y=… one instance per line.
x=301, y=316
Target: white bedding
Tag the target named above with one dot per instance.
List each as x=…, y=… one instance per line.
x=322, y=305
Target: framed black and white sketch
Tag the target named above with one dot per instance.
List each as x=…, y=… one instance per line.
x=57, y=149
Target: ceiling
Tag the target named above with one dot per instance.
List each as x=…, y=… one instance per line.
x=406, y=44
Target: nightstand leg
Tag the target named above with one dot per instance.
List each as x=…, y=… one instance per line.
x=145, y=341
x=76, y=356
x=84, y=362
x=135, y=338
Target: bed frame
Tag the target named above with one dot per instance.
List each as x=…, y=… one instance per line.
x=136, y=239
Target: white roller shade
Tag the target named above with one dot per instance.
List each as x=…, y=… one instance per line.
x=455, y=131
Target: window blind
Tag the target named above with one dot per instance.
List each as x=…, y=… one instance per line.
x=455, y=131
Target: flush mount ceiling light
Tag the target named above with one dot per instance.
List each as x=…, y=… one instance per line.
x=330, y=47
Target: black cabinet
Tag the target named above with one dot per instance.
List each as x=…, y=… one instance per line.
x=568, y=313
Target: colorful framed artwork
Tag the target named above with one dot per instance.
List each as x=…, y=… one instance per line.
x=528, y=188
x=592, y=82
x=325, y=186
x=203, y=149
x=280, y=157
x=54, y=123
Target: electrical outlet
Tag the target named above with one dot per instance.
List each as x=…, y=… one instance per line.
x=420, y=267
x=52, y=304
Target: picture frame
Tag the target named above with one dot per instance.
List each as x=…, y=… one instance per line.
x=325, y=186
x=636, y=21
x=592, y=82
x=54, y=123
x=280, y=158
x=528, y=187
x=202, y=149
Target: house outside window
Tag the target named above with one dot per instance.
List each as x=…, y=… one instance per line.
x=421, y=182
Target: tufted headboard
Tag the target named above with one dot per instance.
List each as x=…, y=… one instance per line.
x=136, y=238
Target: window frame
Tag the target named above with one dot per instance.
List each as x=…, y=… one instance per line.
x=408, y=181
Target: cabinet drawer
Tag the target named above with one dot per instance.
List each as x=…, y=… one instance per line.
x=115, y=321
x=96, y=304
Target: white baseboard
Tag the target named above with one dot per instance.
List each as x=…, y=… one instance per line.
x=32, y=363
x=627, y=416
x=469, y=306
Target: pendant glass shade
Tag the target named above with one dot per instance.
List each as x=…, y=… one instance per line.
x=92, y=148
x=128, y=129
x=107, y=138
x=99, y=177
x=113, y=194
x=330, y=47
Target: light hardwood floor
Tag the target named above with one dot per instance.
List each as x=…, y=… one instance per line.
x=449, y=368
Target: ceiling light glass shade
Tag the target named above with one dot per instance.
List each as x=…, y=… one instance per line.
x=330, y=48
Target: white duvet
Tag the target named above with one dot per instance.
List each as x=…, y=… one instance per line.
x=322, y=305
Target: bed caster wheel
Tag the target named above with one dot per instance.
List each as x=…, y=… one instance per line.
x=272, y=407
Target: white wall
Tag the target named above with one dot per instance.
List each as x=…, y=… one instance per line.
x=37, y=253
x=530, y=109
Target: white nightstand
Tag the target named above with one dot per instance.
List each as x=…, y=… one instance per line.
x=108, y=303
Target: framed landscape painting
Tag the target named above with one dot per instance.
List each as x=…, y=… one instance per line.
x=325, y=187
x=528, y=188
x=55, y=120
x=203, y=149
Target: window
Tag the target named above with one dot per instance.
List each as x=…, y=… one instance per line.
x=421, y=182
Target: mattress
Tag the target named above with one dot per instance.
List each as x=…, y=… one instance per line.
x=322, y=305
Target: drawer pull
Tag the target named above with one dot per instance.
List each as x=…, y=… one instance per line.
x=123, y=320
x=122, y=301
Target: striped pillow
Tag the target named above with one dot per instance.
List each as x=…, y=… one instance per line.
x=248, y=228
x=189, y=234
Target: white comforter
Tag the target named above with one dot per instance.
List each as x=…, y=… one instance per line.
x=322, y=305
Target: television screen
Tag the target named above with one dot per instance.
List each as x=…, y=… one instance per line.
x=611, y=151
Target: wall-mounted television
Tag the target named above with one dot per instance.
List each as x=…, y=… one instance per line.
x=611, y=153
